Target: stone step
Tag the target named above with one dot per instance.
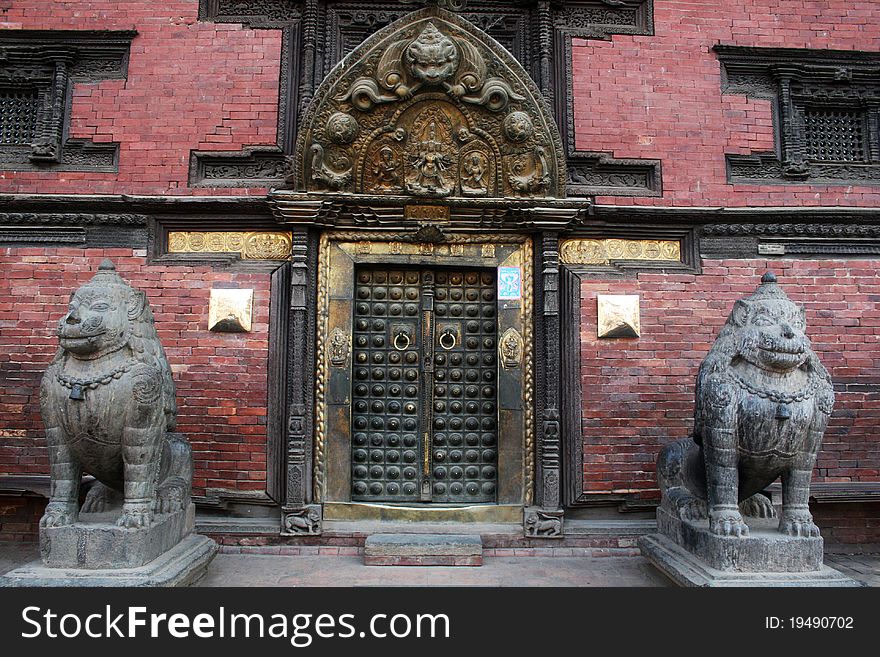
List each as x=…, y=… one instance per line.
x=423, y=550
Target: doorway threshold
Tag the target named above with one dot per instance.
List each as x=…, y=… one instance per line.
x=477, y=513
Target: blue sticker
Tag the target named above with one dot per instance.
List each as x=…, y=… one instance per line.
x=509, y=283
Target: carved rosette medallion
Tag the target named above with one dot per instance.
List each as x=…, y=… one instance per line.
x=430, y=107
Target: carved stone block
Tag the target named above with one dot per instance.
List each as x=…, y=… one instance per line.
x=304, y=521
x=542, y=523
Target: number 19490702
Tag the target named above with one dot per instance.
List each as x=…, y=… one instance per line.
x=809, y=622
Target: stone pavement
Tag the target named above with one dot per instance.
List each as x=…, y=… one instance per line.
x=325, y=570
x=250, y=569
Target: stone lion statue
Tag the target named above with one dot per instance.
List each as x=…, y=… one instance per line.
x=107, y=401
x=763, y=400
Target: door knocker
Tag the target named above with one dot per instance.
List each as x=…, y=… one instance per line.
x=448, y=333
x=402, y=334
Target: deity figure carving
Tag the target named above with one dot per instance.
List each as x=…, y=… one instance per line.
x=763, y=401
x=386, y=168
x=432, y=107
x=473, y=174
x=431, y=162
x=107, y=401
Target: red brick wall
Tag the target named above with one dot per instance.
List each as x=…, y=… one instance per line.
x=659, y=96
x=190, y=86
x=20, y=517
x=848, y=523
x=221, y=378
x=638, y=393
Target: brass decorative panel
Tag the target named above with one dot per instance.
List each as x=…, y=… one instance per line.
x=260, y=245
x=605, y=251
x=618, y=316
x=230, y=310
x=430, y=107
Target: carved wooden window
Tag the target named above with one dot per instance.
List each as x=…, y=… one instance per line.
x=38, y=70
x=826, y=108
x=835, y=134
x=18, y=116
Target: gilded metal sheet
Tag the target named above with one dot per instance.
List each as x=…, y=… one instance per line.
x=618, y=316
x=230, y=310
x=257, y=245
x=605, y=251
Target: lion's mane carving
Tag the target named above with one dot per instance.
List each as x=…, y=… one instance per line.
x=763, y=401
x=108, y=404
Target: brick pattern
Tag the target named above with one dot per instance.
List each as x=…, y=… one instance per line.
x=191, y=85
x=221, y=378
x=848, y=523
x=659, y=97
x=20, y=518
x=638, y=394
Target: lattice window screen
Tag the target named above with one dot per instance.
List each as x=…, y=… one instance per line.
x=835, y=135
x=18, y=117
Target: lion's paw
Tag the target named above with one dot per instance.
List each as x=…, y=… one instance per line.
x=727, y=522
x=170, y=496
x=100, y=498
x=757, y=506
x=798, y=523
x=58, y=514
x=136, y=515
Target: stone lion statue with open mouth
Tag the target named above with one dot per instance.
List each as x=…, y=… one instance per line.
x=763, y=401
x=107, y=400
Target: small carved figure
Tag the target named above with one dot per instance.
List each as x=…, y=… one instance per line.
x=306, y=521
x=474, y=173
x=338, y=348
x=543, y=524
x=385, y=168
x=107, y=400
x=763, y=400
x=431, y=163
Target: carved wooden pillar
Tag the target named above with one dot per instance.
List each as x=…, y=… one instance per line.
x=545, y=50
x=46, y=147
x=546, y=519
x=300, y=517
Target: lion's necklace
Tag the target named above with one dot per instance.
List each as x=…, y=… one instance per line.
x=781, y=399
x=79, y=386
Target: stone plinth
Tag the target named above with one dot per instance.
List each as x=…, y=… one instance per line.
x=95, y=541
x=690, y=555
x=182, y=565
x=764, y=549
x=423, y=550
x=685, y=569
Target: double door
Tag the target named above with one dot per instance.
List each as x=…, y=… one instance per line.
x=424, y=413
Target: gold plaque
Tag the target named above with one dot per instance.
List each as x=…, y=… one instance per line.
x=260, y=245
x=619, y=316
x=605, y=251
x=426, y=212
x=230, y=310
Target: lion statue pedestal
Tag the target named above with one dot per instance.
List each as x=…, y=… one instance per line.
x=108, y=404
x=763, y=400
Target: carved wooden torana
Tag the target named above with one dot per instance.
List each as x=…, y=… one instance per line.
x=430, y=107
